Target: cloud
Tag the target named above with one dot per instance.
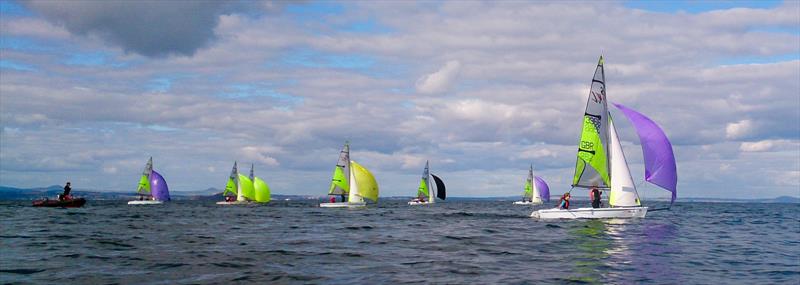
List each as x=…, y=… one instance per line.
x=516, y=76
x=739, y=129
x=259, y=154
x=768, y=145
x=149, y=28
x=441, y=80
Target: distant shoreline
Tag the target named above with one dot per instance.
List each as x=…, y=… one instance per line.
x=13, y=193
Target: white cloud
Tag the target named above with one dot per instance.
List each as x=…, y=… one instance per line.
x=259, y=154
x=441, y=80
x=739, y=129
x=768, y=145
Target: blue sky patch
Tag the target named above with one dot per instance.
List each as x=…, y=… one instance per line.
x=12, y=8
x=696, y=7
x=7, y=64
x=316, y=8
x=242, y=91
x=305, y=57
x=758, y=59
x=370, y=26
x=160, y=84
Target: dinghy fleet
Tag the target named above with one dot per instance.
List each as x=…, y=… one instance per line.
x=600, y=164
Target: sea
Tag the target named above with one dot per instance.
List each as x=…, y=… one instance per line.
x=454, y=242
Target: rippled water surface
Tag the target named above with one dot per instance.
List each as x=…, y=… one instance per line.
x=468, y=242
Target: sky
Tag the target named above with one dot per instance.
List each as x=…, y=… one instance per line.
x=89, y=90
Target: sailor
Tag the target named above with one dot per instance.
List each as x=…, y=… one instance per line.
x=564, y=203
x=343, y=198
x=65, y=195
x=594, y=194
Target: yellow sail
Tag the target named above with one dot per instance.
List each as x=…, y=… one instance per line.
x=262, y=190
x=247, y=187
x=367, y=186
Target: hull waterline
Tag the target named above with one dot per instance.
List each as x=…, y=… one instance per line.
x=591, y=213
x=343, y=205
x=145, y=202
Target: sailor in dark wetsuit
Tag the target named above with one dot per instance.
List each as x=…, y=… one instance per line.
x=65, y=195
x=595, y=195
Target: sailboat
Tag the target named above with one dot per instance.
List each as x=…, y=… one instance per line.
x=242, y=189
x=601, y=162
x=353, y=181
x=426, y=194
x=536, y=190
x=152, y=188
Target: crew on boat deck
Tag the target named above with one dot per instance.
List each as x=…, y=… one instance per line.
x=65, y=195
x=594, y=194
x=564, y=202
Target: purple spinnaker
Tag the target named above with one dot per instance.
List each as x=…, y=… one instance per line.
x=659, y=160
x=158, y=187
x=544, y=190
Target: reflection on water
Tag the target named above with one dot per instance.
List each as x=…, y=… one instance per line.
x=608, y=251
x=590, y=240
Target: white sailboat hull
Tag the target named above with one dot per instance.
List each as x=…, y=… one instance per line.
x=234, y=203
x=412, y=203
x=144, y=202
x=343, y=205
x=527, y=203
x=591, y=213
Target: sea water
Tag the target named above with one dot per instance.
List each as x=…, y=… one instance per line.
x=466, y=242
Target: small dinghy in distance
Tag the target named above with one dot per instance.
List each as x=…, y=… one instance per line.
x=69, y=203
x=426, y=191
x=242, y=190
x=536, y=190
x=601, y=162
x=152, y=188
x=353, y=181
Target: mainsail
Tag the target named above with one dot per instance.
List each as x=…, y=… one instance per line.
x=424, y=184
x=659, y=159
x=528, y=194
x=340, y=183
x=144, y=182
x=591, y=168
x=232, y=187
x=365, y=184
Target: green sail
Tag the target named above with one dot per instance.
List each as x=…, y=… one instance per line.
x=144, y=185
x=230, y=188
x=247, y=187
x=339, y=182
x=262, y=190
x=592, y=152
x=367, y=186
x=528, y=190
x=423, y=188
